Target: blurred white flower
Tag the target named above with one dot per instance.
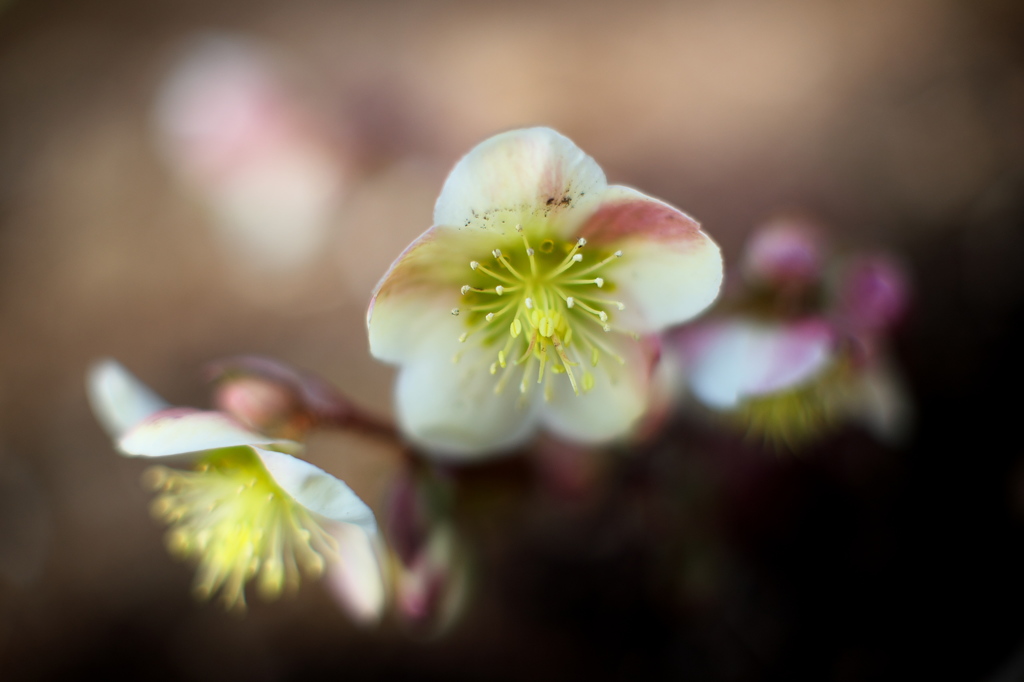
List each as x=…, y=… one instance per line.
x=797, y=358
x=532, y=299
x=246, y=508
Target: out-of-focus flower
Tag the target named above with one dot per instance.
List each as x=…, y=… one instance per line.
x=253, y=152
x=247, y=508
x=793, y=361
x=532, y=299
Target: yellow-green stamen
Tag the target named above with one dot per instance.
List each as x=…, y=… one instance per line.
x=551, y=309
x=233, y=519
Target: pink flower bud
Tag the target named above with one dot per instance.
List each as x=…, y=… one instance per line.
x=272, y=397
x=783, y=252
x=261, y=405
x=873, y=293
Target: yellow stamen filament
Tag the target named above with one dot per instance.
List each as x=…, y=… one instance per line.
x=233, y=520
x=551, y=309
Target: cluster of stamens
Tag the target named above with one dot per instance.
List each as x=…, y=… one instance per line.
x=543, y=311
x=232, y=518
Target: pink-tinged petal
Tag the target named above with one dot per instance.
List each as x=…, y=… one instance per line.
x=535, y=177
x=450, y=408
x=421, y=286
x=615, y=404
x=181, y=430
x=317, y=490
x=118, y=399
x=784, y=251
x=730, y=361
x=669, y=270
x=358, y=578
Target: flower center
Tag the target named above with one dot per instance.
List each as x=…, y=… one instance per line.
x=542, y=309
x=232, y=517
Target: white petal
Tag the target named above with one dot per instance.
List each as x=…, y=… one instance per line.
x=732, y=360
x=181, y=430
x=669, y=271
x=118, y=399
x=535, y=177
x=358, y=577
x=450, y=408
x=613, y=407
x=317, y=490
x=421, y=286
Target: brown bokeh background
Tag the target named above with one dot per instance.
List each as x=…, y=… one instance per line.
x=898, y=125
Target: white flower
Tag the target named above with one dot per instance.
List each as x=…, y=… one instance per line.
x=247, y=508
x=532, y=300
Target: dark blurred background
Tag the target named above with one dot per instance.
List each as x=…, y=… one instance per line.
x=898, y=125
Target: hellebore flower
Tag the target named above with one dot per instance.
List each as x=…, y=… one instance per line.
x=247, y=508
x=796, y=357
x=532, y=300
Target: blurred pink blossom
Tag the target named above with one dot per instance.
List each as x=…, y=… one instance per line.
x=790, y=368
x=253, y=152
